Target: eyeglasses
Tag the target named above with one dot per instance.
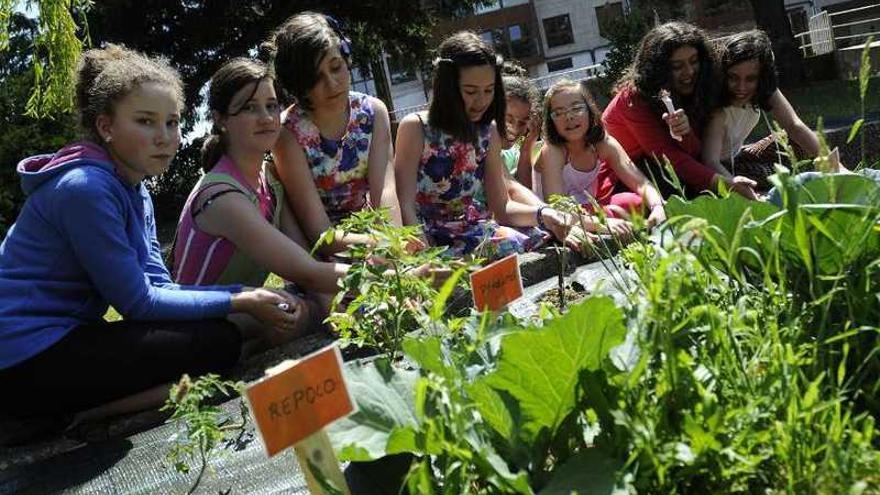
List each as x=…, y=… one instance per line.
x=572, y=111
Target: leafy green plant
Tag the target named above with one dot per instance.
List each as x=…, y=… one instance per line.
x=864, y=81
x=56, y=51
x=750, y=366
x=484, y=413
x=389, y=284
x=202, y=427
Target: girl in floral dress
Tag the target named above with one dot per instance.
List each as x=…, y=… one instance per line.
x=334, y=153
x=448, y=155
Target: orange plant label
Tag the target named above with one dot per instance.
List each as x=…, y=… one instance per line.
x=497, y=284
x=300, y=399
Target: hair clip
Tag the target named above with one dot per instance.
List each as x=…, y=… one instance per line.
x=443, y=61
x=344, y=42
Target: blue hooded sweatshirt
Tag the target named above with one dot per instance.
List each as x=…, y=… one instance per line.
x=85, y=239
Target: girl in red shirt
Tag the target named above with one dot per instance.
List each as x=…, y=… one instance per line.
x=675, y=57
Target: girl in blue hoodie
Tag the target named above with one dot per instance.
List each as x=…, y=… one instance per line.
x=86, y=239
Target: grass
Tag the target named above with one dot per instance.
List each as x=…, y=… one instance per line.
x=832, y=100
x=837, y=102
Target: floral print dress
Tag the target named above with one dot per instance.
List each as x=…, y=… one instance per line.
x=450, y=179
x=339, y=167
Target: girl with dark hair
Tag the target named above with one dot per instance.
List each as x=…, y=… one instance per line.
x=447, y=157
x=676, y=58
x=750, y=86
x=519, y=138
x=334, y=152
x=86, y=239
x=236, y=226
x=581, y=160
x=522, y=128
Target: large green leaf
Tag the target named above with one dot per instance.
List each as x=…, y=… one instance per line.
x=590, y=472
x=724, y=213
x=492, y=408
x=384, y=396
x=541, y=368
x=426, y=352
x=828, y=226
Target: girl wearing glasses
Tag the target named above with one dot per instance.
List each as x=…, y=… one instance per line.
x=581, y=160
x=449, y=155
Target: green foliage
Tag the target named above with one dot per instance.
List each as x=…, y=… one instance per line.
x=385, y=401
x=386, y=292
x=56, y=49
x=493, y=406
x=22, y=135
x=170, y=190
x=751, y=365
x=576, y=342
x=864, y=81
x=625, y=34
x=739, y=338
x=202, y=426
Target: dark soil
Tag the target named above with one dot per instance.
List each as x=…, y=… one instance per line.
x=573, y=293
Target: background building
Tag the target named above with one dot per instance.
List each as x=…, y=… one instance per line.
x=545, y=36
x=555, y=38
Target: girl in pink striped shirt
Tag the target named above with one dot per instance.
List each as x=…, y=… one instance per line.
x=236, y=226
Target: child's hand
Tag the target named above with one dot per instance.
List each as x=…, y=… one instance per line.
x=267, y=306
x=558, y=223
x=437, y=275
x=618, y=228
x=579, y=239
x=533, y=134
x=678, y=122
x=656, y=217
x=743, y=186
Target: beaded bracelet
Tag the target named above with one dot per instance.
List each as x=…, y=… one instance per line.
x=540, y=216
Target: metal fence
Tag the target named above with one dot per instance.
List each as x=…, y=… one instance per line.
x=821, y=39
x=543, y=83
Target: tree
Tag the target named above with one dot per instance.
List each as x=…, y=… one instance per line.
x=22, y=134
x=56, y=48
x=198, y=36
x=771, y=17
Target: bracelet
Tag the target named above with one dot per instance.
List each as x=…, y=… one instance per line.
x=541, y=223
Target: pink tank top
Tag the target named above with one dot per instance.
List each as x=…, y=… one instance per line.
x=204, y=259
x=581, y=186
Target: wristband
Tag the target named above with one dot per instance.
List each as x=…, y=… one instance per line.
x=540, y=216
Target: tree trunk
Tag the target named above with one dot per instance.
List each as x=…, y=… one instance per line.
x=383, y=89
x=771, y=18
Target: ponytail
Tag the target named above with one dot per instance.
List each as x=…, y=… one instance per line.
x=213, y=149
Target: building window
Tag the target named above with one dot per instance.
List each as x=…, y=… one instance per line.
x=400, y=71
x=606, y=15
x=560, y=64
x=514, y=41
x=482, y=9
x=522, y=44
x=799, y=23
x=558, y=31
